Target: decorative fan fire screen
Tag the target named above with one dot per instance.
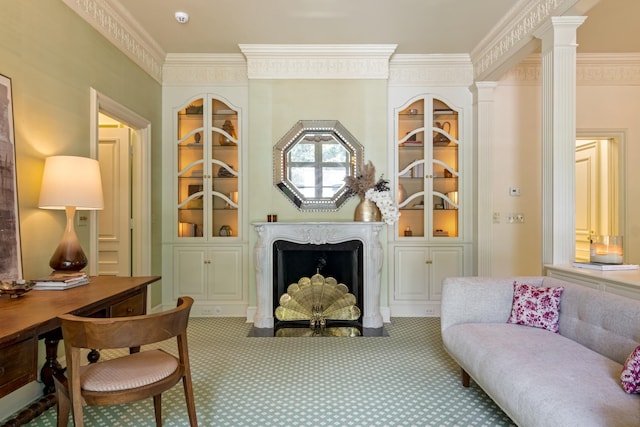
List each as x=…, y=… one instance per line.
x=317, y=300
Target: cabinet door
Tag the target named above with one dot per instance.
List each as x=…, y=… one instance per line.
x=190, y=271
x=419, y=271
x=427, y=156
x=444, y=170
x=412, y=168
x=411, y=274
x=190, y=169
x=225, y=274
x=207, y=169
x=224, y=166
x=445, y=262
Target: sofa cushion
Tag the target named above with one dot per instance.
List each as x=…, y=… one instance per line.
x=541, y=379
x=630, y=376
x=535, y=306
x=601, y=321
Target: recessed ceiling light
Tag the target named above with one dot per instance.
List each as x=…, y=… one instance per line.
x=182, y=17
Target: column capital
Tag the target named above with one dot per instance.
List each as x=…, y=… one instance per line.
x=559, y=31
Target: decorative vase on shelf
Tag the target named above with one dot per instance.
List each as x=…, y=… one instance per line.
x=367, y=211
x=228, y=128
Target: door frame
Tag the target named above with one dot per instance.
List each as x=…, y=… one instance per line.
x=140, y=181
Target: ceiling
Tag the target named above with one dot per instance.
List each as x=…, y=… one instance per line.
x=416, y=26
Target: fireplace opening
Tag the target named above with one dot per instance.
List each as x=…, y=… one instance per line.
x=342, y=261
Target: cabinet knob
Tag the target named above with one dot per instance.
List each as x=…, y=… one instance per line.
x=428, y=261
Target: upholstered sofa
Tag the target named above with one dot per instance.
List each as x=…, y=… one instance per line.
x=538, y=377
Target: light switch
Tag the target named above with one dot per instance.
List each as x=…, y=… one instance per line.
x=83, y=220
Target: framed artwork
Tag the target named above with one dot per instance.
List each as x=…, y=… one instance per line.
x=10, y=253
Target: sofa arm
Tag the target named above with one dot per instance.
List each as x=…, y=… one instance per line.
x=478, y=299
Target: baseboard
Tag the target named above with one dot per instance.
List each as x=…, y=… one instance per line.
x=251, y=313
x=217, y=309
x=423, y=309
x=386, y=314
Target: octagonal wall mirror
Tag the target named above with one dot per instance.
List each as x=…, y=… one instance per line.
x=311, y=161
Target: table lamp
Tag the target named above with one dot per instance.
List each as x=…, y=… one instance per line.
x=70, y=183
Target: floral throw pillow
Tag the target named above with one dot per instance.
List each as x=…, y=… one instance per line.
x=536, y=306
x=630, y=376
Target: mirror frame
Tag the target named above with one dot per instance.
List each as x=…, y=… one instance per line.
x=299, y=131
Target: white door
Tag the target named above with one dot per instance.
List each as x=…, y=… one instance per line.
x=586, y=197
x=114, y=222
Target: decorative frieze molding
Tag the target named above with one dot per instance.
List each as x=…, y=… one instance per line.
x=591, y=70
x=513, y=32
x=267, y=61
x=203, y=69
x=430, y=70
x=608, y=69
x=118, y=27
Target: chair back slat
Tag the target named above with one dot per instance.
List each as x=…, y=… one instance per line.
x=121, y=332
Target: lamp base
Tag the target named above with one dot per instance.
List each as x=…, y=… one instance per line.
x=69, y=255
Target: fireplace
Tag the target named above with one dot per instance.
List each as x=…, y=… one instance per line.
x=342, y=261
x=360, y=239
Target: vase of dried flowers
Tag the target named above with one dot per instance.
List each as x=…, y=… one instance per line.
x=376, y=203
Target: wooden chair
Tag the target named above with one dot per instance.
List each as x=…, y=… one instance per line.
x=129, y=378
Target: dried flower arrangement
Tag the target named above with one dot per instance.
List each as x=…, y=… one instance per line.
x=364, y=180
x=365, y=186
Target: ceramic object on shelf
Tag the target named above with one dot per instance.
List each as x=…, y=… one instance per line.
x=228, y=128
x=225, y=231
x=402, y=193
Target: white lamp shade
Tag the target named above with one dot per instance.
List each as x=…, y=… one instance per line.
x=71, y=181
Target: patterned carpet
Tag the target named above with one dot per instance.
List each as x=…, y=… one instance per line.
x=404, y=379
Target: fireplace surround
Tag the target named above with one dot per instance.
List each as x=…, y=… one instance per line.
x=318, y=233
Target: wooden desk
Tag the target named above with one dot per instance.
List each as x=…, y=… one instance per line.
x=34, y=316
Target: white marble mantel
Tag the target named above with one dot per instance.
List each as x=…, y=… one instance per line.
x=318, y=233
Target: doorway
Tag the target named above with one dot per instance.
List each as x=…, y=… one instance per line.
x=131, y=164
x=599, y=182
x=114, y=222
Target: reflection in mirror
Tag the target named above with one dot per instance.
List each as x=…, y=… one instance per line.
x=311, y=162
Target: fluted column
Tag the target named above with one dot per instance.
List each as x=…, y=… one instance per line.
x=558, y=37
x=483, y=183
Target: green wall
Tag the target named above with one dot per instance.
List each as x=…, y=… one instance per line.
x=53, y=58
x=275, y=106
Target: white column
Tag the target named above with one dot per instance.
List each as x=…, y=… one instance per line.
x=558, y=138
x=483, y=107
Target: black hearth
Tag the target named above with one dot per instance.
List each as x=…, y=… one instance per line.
x=342, y=261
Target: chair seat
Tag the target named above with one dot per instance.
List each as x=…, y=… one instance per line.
x=127, y=372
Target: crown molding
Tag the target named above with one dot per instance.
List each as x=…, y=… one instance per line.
x=513, y=33
x=119, y=27
x=198, y=69
x=592, y=69
x=430, y=70
x=269, y=61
